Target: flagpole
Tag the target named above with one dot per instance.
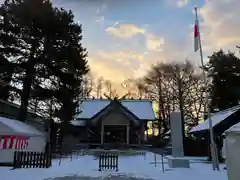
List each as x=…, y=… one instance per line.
x=215, y=163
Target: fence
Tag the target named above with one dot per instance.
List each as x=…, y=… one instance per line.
x=66, y=151
x=31, y=159
x=108, y=161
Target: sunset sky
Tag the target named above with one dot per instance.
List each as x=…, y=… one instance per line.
x=124, y=37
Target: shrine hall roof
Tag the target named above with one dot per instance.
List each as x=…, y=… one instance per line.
x=140, y=108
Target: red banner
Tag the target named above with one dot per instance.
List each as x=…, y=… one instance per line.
x=14, y=142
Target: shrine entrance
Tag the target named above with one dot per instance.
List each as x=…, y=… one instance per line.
x=115, y=134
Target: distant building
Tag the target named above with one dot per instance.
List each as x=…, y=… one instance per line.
x=30, y=135
x=121, y=121
x=221, y=121
x=18, y=136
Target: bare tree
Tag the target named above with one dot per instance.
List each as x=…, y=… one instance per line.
x=179, y=78
x=110, y=91
x=155, y=86
x=176, y=86
x=99, y=87
x=136, y=88
x=187, y=90
x=195, y=101
x=127, y=85
x=132, y=88
x=108, y=88
x=141, y=89
x=87, y=85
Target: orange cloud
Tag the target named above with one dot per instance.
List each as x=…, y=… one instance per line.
x=118, y=66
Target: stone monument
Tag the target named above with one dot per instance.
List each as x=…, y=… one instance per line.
x=177, y=159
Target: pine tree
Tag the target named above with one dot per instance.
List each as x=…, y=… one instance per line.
x=72, y=64
x=224, y=71
x=43, y=45
x=23, y=28
x=65, y=67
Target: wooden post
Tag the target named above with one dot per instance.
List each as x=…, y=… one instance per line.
x=100, y=162
x=163, y=170
x=60, y=159
x=127, y=134
x=155, y=159
x=102, y=133
x=142, y=133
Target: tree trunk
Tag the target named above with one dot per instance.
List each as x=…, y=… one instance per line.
x=181, y=108
x=27, y=84
x=161, y=108
x=5, y=87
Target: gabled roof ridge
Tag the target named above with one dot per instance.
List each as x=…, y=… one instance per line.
x=234, y=108
x=96, y=99
x=121, y=100
x=146, y=100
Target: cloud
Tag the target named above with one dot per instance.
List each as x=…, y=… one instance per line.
x=154, y=43
x=121, y=64
x=100, y=19
x=221, y=25
x=125, y=31
x=182, y=3
x=101, y=9
x=116, y=65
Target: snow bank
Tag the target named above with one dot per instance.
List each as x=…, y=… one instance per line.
x=136, y=166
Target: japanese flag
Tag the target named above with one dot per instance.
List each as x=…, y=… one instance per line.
x=196, y=36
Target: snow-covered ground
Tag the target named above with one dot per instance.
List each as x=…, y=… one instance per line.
x=130, y=168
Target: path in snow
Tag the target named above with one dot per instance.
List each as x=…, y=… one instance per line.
x=111, y=177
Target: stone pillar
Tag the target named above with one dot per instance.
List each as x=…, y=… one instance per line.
x=127, y=140
x=176, y=134
x=102, y=133
x=176, y=161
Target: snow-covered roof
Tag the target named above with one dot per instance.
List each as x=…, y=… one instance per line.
x=78, y=122
x=216, y=119
x=168, y=132
x=14, y=127
x=141, y=108
x=234, y=129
